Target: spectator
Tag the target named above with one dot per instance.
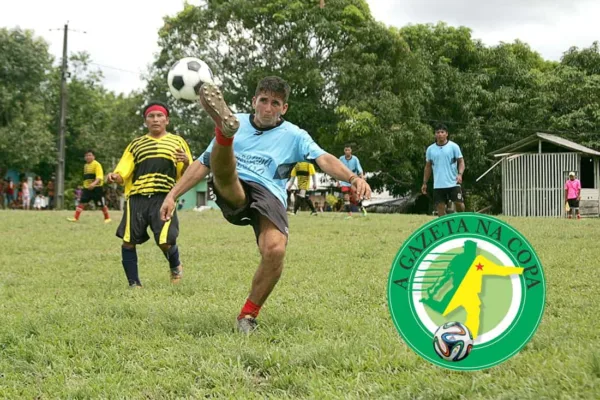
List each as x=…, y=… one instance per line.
x=38, y=185
x=25, y=195
x=50, y=192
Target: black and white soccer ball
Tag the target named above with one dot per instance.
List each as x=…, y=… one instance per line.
x=186, y=76
x=453, y=341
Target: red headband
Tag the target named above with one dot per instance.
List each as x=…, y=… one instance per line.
x=156, y=107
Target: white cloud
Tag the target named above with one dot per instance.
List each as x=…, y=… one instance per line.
x=549, y=27
x=123, y=33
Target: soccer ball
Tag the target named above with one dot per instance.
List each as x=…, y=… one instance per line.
x=453, y=341
x=186, y=76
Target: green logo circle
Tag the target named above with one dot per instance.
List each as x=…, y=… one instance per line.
x=466, y=291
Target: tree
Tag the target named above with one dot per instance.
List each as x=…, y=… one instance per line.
x=25, y=138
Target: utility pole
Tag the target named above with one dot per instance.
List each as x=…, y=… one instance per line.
x=60, y=168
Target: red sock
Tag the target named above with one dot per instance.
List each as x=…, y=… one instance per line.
x=105, y=212
x=249, y=309
x=222, y=140
x=78, y=211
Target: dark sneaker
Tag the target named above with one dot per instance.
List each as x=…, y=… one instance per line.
x=212, y=101
x=177, y=274
x=247, y=325
x=136, y=285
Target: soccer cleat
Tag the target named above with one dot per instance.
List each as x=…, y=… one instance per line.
x=135, y=285
x=247, y=325
x=314, y=213
x=364, y=211
x=70, y=219
x=107, y=221
x=212, y=100
x=177, y=274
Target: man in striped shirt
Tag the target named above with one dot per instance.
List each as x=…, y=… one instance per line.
x=93, y=179
x=148, y=169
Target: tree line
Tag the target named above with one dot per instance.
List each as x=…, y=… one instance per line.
x=354, y=80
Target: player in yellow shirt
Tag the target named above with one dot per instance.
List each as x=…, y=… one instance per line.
x=303, y=171
x=93, y=179
x=148, y=169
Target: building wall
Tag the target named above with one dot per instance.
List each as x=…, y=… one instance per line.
x=533, y=184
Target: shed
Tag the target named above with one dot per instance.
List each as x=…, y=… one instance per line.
x=534, y=171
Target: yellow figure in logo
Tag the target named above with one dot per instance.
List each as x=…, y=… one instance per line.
x=466, y=271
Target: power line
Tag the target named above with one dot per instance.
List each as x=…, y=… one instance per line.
x=115, y=68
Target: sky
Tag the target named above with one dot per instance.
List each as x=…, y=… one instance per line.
x=121, y=35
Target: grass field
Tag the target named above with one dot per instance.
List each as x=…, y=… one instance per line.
x=70, y=328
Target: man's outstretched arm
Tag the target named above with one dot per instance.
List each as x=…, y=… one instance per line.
x=193, y=174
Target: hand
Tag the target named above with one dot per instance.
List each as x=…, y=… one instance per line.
x=361, y=188
x=92, y=185
x=424, y=188
x=578, y=198
x=180, y=156
x=314, y=186
x=167, y=208
x=459, y=178
x=114, y=178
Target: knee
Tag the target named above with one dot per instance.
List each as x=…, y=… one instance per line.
x=127, y=245
x=164, y=247
x=273, y=251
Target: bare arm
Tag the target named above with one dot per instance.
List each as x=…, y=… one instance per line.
x=335, y=168
x=461, y=169
x=193, y=174
x=426, y=176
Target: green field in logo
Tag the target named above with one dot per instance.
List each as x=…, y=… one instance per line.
x=466, y=291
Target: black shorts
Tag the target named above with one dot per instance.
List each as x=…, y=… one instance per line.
x=443, y=195
x=573, y=203
x=96, y=195
x=260, y=201
x=143, y=211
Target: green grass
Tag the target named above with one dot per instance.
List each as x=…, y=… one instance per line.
x=70, y=328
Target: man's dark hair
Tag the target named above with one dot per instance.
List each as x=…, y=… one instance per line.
x=275, y=85
x=441, y=127
x=348, y=146
x=155, y=103
x=90, y=151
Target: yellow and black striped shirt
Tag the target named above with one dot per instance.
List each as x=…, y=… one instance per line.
x=149, y=166
x=91, y=172
x=303, y=170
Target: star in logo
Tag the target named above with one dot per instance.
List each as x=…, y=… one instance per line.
x=479, y=267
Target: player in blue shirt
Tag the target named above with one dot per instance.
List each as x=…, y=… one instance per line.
x=353, y=164
x=251, y=158
x=448, y=164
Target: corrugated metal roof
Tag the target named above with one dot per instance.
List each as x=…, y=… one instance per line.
x=546, y=137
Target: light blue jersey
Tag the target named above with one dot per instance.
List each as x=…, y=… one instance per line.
x=353, y=164
x=268, y=157
x=444, y=160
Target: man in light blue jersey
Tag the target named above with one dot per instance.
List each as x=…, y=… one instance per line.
x=448, y=164
x=353, y=164
x=251, y=158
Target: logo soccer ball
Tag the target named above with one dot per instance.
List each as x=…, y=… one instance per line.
x=453, y=341
x=186, y=76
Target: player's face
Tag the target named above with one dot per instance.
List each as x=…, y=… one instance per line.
x=89, y=157
x=157, y=122
x=441, y=136
x=268, y=109
x=348, y=152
